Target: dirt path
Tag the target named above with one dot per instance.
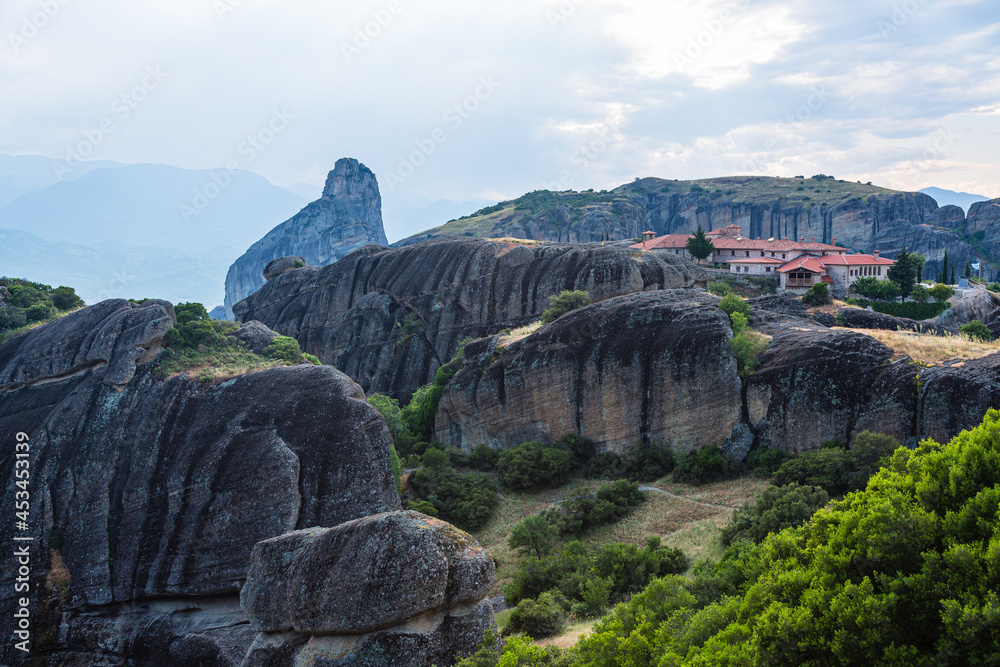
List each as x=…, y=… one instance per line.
x=690, y=500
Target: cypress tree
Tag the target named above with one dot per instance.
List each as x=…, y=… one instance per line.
x=968, y=269
x=699, y=245
x=943, y=278
x=952, y=281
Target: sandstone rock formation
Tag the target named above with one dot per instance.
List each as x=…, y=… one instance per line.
x=398, y=588
x=346, y=217
x=390, y=318
x=148, y=495
x=653, y=366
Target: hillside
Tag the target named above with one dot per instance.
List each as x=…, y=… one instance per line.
x=860, y=216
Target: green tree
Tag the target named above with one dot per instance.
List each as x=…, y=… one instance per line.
x=534, y=534
x=733, y=303
x=700, y=246
x=817, y=295
x=918, y=264
x=285, y=348
x=968, y=269
x=719, y=288
x=533, y=465
x=942, y=292
x=903, y=273
x=65, y=298
x=564, y=302
x=875, y=289
x=943, y=276
x=190, y=312
x=777, y=508
x=952, y=280
x=920, y=294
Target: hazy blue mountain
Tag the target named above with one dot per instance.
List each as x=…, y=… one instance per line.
x=406, y=215
x=154, y=205
x=115, y=271
x=961, y=199
x=22, y=174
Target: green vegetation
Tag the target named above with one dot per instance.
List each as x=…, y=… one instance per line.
x=532, y=466
x=700, y=246
x=910, y=309
x=976, y=331
x=564, y=302
x=534, y=534
x=708, y=464
x=904, y=271
x=467, y=500
x=779, y=507
x=747, y=345
x=876, y=289
x=942, y=292
x=287, y=349
x=732, y=303
x=585, y=579
x=583, y=510
x=30, y=304
x=817, y=295
x=719, y=289
x=837, y=470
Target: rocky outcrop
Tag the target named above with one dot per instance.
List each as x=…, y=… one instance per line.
x=978, y=304
x=390, y=318
x=653, y=367
x=149, y=494
x=398, y=588
x=955, y=397
x=861, y=318
x=255, y=336
x=346, y=217
x=814, y=386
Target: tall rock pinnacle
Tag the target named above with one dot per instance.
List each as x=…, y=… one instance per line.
x=346, y=217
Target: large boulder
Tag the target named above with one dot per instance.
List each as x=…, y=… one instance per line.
x=362, y=592
x=977, y=304
x=654, y=366
x=154, y=491
x=278, y=266
x=391, y=318
x=860, y=318
x=255, y=336
x=815, y=386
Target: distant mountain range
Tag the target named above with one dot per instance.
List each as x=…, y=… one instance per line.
x=963, y=200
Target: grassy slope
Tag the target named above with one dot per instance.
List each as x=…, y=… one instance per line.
x=736, y=189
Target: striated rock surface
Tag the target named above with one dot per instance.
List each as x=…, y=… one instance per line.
x=346, y=217
x=148, y=495
x=390, y=318
x=977, y=304
x=654, y=366
x=955, y=397
x=398, y=588
x=278, y=266
x=860, y=318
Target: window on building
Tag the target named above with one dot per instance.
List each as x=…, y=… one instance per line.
x=880, y=270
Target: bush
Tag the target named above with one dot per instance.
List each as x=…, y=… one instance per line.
x=777, y=508
x=563, y=303
x=734, y=304
x=747, y=345
x=285, y=348
x=719, y=289
x=190, y=312
x=647, y=462
x=532, y=466
x=467, y=500
x=764, y=462
x=920, y=294
x=833, y=470
x=195, y=330
x=708, y=464
x=422, y=506
x=942, y=292
x=870, y=449
x=976, y=331
x=542, y=617
x=39, y=312
x=817, y=295
x=876, y=289
x=485, y=459
x=393, y=414
x=584, y=510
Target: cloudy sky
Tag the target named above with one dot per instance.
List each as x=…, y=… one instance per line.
x=468, y=99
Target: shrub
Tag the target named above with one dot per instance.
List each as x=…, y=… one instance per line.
x=419, y=413
x=817, y=295
x=532, y=465
x=584, y=510
x=285, y=348
x=833, y=470
x=27, y=295
x=484, y=458
x=764, y=461
x=708, y=464
x=942, y=292
x=422, y=506
x=777, y=508
x=190, y=312
x=920, y=294
x=747, y=345
x=871, y=448
x=647, y=462
x=876, y=289
x=467, y=500
x=542, y=617
x=911, y=309
x=976, y=331
x=533, y=534
x=39, y=312
x=732, y=303
x=719, y=289
x=563, y=303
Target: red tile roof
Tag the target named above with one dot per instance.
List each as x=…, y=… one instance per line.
x=803, y=263
x=856, y=260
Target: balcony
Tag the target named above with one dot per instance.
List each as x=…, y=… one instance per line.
x=795, y=284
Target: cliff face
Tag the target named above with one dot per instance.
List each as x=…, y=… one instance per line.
x=346, y=217
x=657, y=367
x=653, y=367
x=861, y=217
x=148, y=495
x=390, y=318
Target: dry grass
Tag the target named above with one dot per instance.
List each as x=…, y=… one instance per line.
x=570, y=636
x=511, y=239
x=213, y=366
x=932, y=350
x=519, y=333
x=693, y=527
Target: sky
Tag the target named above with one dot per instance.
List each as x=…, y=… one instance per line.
x=476, y=100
